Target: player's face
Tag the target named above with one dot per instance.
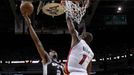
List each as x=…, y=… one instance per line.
x=52, y=53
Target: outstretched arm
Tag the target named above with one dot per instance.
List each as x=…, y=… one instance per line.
x=43, y=54
x=72, y=30
x=26, y=9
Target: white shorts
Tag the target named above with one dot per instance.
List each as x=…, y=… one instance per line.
x=78, y=73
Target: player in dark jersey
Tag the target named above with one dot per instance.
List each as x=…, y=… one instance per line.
x=54, y=67
x=50, y=65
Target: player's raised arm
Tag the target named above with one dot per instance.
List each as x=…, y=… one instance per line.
x=70, y=25
x=72, y=31
x=26, y=10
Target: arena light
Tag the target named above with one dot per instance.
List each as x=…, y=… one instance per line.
x=110, y=58
x=93, y=60
x=103, y=59
x=30, y=61
x=26, y=61
x=118, y=57
x=0, y=61
x=107, y=58
x=17, y=62
x=115, y=58
x=100, y=59
x=7, y=62
x=131, y=54
x=35, y=61
x=122, y=56
x=125, y=56
x=119, y=8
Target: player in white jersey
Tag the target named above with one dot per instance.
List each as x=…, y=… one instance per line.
x=80, y=55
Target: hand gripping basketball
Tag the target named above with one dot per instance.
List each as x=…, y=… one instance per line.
x=26, y=8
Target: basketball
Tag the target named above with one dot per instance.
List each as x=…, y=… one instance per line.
x=26, y=8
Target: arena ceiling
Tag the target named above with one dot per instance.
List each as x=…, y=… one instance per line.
x=112, y=29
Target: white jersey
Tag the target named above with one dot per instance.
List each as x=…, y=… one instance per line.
x=79, y=57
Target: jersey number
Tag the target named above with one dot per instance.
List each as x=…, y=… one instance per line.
x=83, y=59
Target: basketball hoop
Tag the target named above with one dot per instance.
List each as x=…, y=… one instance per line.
x=74, y=11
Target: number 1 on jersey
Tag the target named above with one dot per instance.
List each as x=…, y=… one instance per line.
x=83, y=59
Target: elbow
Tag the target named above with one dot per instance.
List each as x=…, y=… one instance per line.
x=45, y=60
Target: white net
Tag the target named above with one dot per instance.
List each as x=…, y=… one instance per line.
x=74, y=11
